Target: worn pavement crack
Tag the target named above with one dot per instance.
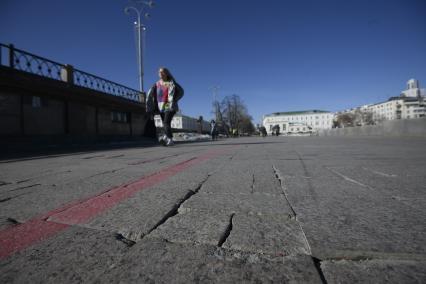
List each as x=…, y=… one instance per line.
x=307, y=175
x=175, y=210
x=357, y=256
x=347, y=178
x=106, y=172
x=317, y=263
x=227, y=232
x=24, y=187
x=281, y=180
x=116, y=156
x=158, y=159
x=91, y=157
x=5, y=199
x=12, y=197
x=283, y=188
x=125, y=240
x=3, y=183
x=13, y=221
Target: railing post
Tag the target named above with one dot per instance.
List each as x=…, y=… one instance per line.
x=66, y=118
x=96, y=120
x=21, y=115
x=70, y=74
x=67, y=74
x=129, y=117
x=11, y=56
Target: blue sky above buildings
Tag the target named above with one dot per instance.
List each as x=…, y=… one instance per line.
x=276, y=55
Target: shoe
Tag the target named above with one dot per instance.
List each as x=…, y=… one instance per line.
x=170, y=142
x=162, y=139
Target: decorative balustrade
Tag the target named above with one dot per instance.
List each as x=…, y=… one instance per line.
x=34, y=64
x=86, y=80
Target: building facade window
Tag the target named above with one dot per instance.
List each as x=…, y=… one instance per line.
x=36, y=102
x=119, y=116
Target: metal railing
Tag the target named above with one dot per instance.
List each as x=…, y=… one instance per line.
x=31, y=63
x=34, y=64
x=87, y=80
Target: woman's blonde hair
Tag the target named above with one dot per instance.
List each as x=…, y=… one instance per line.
x=168, y=74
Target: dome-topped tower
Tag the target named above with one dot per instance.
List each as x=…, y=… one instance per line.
x=413, y=89
x=413, y=84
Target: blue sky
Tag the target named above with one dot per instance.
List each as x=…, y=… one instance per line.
x=277, y=55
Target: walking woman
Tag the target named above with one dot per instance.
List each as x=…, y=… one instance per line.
x=163, y=99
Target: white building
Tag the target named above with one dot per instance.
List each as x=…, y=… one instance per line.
x=183, y=122
x=398, y=108
x=298, y=121
x=298, y=128
x=413, y=90
x=410, y=104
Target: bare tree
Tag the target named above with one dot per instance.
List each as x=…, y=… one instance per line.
x=367, y=117
x=358, y=117
x=234, y=113
x=246, y=125
x=345, y=120
x=217, y=112
x=378, y=118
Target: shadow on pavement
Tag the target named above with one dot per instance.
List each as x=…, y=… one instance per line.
x=211, y=143
x=25, y=152
x=9, y=153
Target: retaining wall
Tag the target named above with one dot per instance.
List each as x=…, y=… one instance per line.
x=403, y=127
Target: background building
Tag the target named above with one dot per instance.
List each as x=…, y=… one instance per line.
x=410, y=104
x=184, y=123
x=398, y=108
x=298, y=121
x=413, y=89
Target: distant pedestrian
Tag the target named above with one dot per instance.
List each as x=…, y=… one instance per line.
x=163, y=99
x=213, y=129
x=263, y=131
x=276, y=130
x=234, y=132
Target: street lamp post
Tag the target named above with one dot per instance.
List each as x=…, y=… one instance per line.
x=215, y=102
x=138, y=7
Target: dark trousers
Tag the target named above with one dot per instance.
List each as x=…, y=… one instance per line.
x=167, y=117
x=150, y=130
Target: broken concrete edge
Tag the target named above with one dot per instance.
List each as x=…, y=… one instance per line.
x=349, y=255
x=281, y=181
x=264, y=256
x=131, y=238
x=227, y=232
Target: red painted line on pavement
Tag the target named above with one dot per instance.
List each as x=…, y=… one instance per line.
x=21, y=236
x=84, y=211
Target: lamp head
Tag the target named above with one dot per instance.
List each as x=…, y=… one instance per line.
x=150, y=4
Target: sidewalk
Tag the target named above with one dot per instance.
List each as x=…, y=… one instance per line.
x=275, y=209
